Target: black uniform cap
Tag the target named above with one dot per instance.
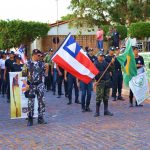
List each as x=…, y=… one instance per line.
x=36, y=51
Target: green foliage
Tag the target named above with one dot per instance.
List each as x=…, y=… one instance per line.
x=16, y=32
x=122, y=30
x=140, y=30
x=107, y=12
x=67, y=17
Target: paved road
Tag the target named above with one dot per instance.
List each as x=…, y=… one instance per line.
x=70, y=129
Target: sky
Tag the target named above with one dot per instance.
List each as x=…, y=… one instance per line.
x=35, y=10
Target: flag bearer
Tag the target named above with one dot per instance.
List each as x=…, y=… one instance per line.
x=103, y=86
x=139, y=63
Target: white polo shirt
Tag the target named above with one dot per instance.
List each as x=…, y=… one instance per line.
x=2, y=63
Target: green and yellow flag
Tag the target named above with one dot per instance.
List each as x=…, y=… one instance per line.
x=128, y=63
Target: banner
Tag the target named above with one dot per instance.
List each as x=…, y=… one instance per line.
x=18, y=102
x=140, y=88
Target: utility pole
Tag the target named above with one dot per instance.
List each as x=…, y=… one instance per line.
x=57, y=25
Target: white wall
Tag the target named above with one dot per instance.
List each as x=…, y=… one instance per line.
x=65, y=30
x=36, y=44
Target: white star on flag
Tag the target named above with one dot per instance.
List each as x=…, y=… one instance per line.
x=72, y=47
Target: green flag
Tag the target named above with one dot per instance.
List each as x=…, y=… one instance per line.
x=128, y=63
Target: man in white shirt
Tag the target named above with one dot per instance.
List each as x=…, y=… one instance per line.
x=2, y=68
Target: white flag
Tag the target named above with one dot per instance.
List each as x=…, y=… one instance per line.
x=140, y=87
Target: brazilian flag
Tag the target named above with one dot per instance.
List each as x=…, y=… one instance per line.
x=128, y=63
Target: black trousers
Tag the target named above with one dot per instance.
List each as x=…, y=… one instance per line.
x=3, y=83
x=66, y=87
x=59, y=82
x=117, y=83
x=8, y=89
x=72, y=83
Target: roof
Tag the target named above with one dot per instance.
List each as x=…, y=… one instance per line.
x=59, y=23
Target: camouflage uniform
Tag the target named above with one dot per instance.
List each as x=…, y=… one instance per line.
x=102, y=92
x=35, y=75
x=103, y=87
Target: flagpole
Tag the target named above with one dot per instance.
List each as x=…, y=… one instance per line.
x=104, y=72
x=57, y=25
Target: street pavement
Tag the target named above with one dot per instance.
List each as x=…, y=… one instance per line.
x=70, y=129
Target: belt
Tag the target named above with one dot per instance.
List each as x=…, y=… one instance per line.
x=37, y=83
x=34, y=83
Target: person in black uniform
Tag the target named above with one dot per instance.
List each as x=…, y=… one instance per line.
x=72, y=82
x=108, y=59
x=115, y=37
x=110, y=55
x=117, y=78
x=8, y=68
x=91, y=55
x=103, y=85
x=17, y=66
x=60, y=77
x=139, y=63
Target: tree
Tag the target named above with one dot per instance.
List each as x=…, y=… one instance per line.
x=16, y=32
x=105, y=12
x=140, y=30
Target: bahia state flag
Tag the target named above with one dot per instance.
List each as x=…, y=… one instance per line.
x=21, y=52
x=71, y=57
x=128, y=63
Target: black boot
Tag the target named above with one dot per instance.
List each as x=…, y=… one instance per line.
x=30, y=121
x=97, y=110
x=120, y=97
x=131, y=102
x=88, y=109
x=70, y=102
x=106, y=111
x=41, y=120
x=114, y=98
x=140, y=105
x=77, y=102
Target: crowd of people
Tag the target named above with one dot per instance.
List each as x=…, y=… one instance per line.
x=42, y=73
